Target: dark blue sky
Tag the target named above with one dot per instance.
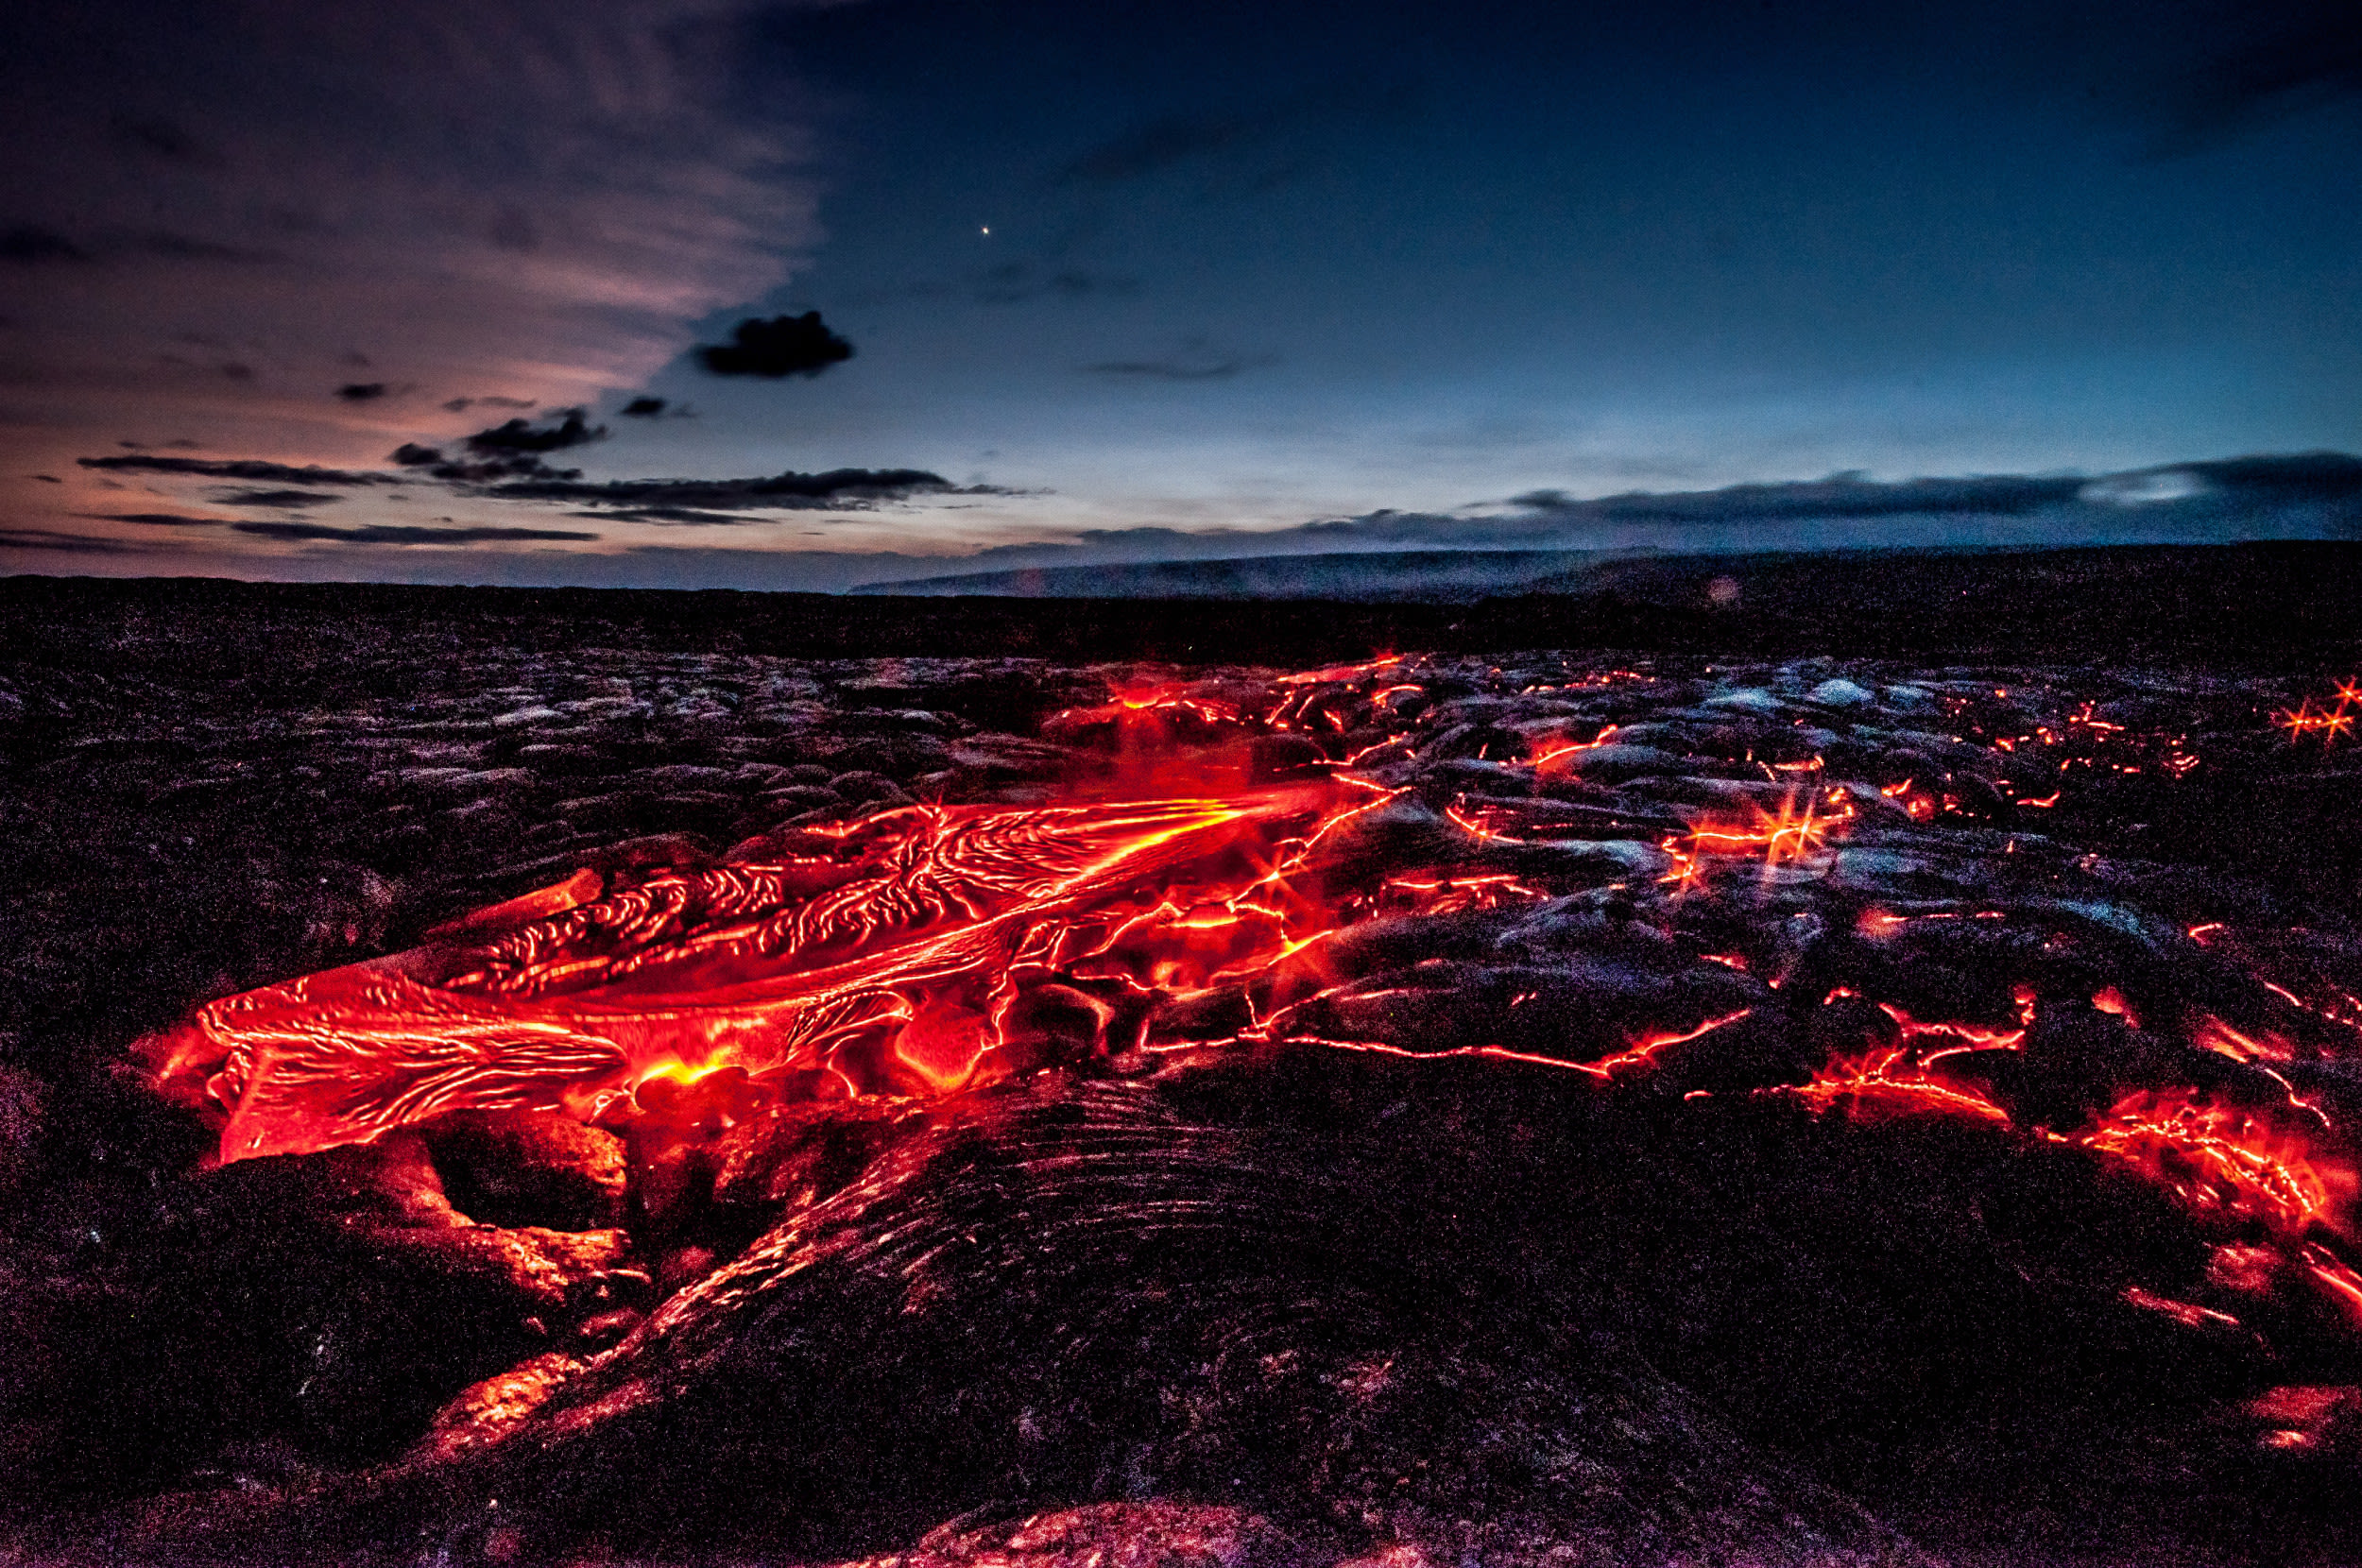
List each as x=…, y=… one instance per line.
x=1247, y=267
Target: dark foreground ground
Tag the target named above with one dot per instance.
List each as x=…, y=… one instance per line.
x=1279, y=1305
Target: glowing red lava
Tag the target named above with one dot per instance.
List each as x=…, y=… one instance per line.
x=924, y=949
x=888, y=953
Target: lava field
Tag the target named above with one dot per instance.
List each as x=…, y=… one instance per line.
x=475, y=1100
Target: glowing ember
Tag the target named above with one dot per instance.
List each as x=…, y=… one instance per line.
x=2337, y=1280
x=2186, y=1313
x=2220, y=1037
x=2328, y=720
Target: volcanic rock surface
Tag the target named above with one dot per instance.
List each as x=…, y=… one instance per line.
x=1763, y=1111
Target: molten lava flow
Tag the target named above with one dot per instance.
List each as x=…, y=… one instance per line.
x=1167, y=701
x=2218, y=1158
x=1894, y=1080
x=2188, y=1314
x=2222, y=1162
x=2338, y=1280
x=891, y=952
x=1336, y=674
x=1790, y=835
x=1643, y=1052
x=2215, y=1035
x=922, y=950
x=1967, y=1037
x=1551, y=756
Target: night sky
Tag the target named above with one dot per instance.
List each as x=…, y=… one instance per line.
x=310, y=291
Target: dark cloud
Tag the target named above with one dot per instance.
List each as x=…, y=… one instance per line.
x=505, y=452
x=156, y=137
x=645, y=408
x=1159, y=145
x=784, y=346
x=2261, y=63
x=2276, y=481
x=2295, y=477
x=48, y=479
x=667, y=514
x=243, y=467
x=400, y=532
x=517, y=435
x=275, y=498
x=513, y=466
x=1840, y=495
x=237, y=371
x=492, y=469
x=31, y=244
x=160, y=519
x=1007, y=284
x=687, y=500
x=461, y=405
x=1176, y=369
x=361, y=391
x=80, y=544
x=1249, y=153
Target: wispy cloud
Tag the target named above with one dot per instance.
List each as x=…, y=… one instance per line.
x=60, y=541
x=31, y=244
x=1161, y=144
x=403, y=534
x=711, y=500
x=1179, y=368
x=294, y=499
x=1250, y=149
x=239, y=468
x=532, y=196
x=158, y=520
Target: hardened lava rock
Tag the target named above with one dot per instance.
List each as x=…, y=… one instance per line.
x=1080, y=1290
